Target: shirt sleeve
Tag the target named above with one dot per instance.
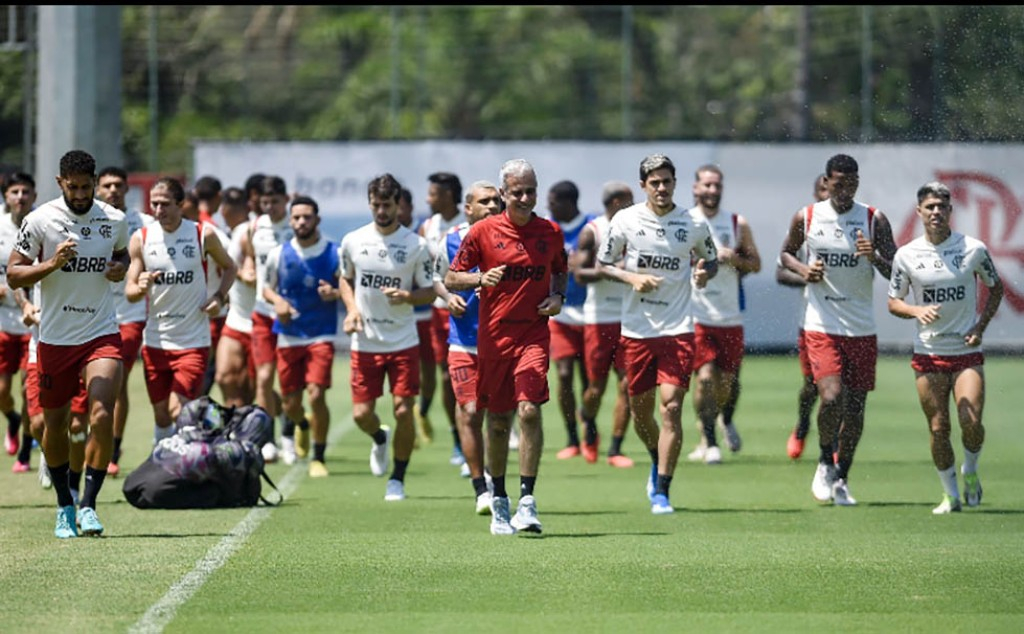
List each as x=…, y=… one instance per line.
x=560, y=263
x=612, y=243
x=346, y=266
x=30, y=239
x=468, y=256
x=423, y=275
x=899, y=281
x=705, y=247
x=441, y=264
x=122, y=237
x=985, y=268
x=270, y=272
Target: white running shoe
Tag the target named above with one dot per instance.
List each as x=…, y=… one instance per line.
x=972, y=488
x=949, y=504
x=464, y=470
x=44, y=473
x=500, y=524
x=697, y=455
x=821, y=486
x=269, y=452
x=841, y=494
x=457, y=459
x=288, y=455
x=513, y=438
x=732, y=437
x=525, y=518
x=379, y=454
x=713, y=455
x=395, y=491
x=483, y=503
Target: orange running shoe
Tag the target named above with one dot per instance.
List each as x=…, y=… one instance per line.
x=590, y=451
x=20, y=467
x=568, y=452
x=795, y=446
x=12, y=442
x=620, y=461
x=113, y=470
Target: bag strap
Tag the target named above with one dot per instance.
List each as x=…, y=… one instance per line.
x=280, y=496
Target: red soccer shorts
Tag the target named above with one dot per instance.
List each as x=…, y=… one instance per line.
x=264, y=340
x=853, y=359
x=178, y=371
x=504, y=382
x=299, y=366
x=946, y=364
x=245, y=340
x=801, y=350
x=721, y=345
x=60, y=367
x=401, y=368
x=463, y=370
x=651, y=362
x=13, y=353
x=439, y=326
x=131, y=343
x=79, y=403
x=601, y=350
x=566, y=341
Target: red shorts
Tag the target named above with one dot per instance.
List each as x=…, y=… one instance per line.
x=264, y=340
x=853, y=359
x=79, y=403
x=60, y=367
x=566, y=341
x=801, y=350
x=216, y=329
x=502, y=383
x=462, y=368
x=601, y=350
x=178, y=371
x=946, y=364
x=651, y=362
x=721, y=345
x=439, y=328
x=299, y=366
x=426, y=348
x=245, y=339
x=131, y=343
x=13, y=352
x=369, y=369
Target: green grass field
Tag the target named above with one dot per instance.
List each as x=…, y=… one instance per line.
x=748, y=550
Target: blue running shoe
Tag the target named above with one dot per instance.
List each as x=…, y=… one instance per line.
x=89, y=523
x=660, y=505
x=652, y=482
x=65, y=523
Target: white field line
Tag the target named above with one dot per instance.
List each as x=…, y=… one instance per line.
x=163, y=611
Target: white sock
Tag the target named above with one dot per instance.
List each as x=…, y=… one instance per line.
x=970, y=461
x=948, y=479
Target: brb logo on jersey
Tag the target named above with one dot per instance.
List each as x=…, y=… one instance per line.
x=663, y=262
x=986, y=208
x=93, y=264
x=375, y=280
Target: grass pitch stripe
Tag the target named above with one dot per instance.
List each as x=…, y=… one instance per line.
x=162, y=612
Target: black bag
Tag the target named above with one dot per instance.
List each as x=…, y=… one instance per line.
x=212, y=461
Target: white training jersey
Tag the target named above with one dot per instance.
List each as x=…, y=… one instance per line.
x=241, y=296
x=841, y=303
x=177, y=295
x=273, y=266
x=374, y=261
x=265, y=236
x=945, y=274
x=718, y=303
x=662, y=246
x=77, y=304
x=604, y=297
x=435, y=228
x=10, y=314
x=127, y=311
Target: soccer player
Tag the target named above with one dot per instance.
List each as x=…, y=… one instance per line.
x=75, y=246
x=266, y=232
x=235, y=371
x=808, y=393
x=521, y=273
x=443, y=196
x=302, y=285
x=424, y=318
x=718, y=317
x=463, y=363
x=168, y=270
x=659, y=239
x=602, y=323
x=131, y=317
x=386, y=270
x=846, y=242
x=567, y=326
x=943, y=268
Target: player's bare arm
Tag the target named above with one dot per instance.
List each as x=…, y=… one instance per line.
x=585, y=269
x=138, y=279
x=23, y=272
x=416, y=297
x=923, y=314
x=247, y=272
x=794, y=240
x=995, y=296
x=552, y=304
x=353, y=319
x=462, y=281
x=641, y=282
x=229, y=270
x=745, y=258
x=881, y=249
x=117, y=265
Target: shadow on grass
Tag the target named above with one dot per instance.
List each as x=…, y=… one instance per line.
x=17, y=507
x=595, y=535
x=162, y=535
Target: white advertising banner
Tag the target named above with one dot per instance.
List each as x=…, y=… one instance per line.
x=765, y=183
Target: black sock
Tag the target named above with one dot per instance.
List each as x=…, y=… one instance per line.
x=526, y=484
x=319, y=448
x=479, y=485
x=425, y=405
x=303, y=424
x=59, y=477
x=93, y=484
x=615, y=448
x=74, y=479
x=574, y=436
x=117, y=450
x=399, y=471
x=499, y=487
x=654, y=455
x=727, y=412
x=664, y=482
x=589, y=429
x=825, y=456
x=843, y=466
x=25, y=450
x=13, y=422
x=709, y=433
x=288, y=429
x=380, y=436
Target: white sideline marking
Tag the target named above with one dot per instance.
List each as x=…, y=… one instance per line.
x=163, y=611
